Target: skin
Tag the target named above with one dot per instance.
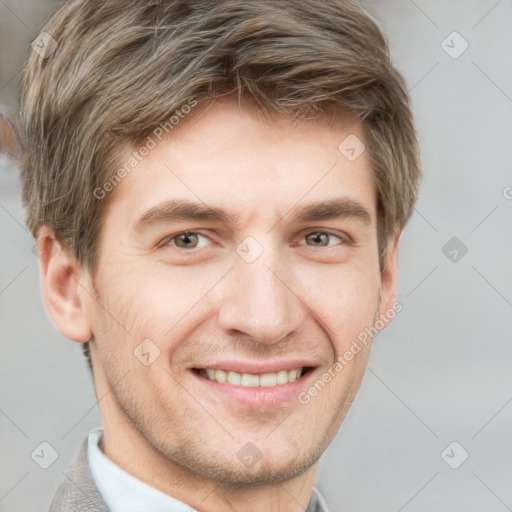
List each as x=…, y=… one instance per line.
x=303, y=298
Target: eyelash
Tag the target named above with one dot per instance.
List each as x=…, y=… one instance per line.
x=168, y=240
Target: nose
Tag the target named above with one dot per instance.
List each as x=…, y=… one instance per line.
x=258, y=300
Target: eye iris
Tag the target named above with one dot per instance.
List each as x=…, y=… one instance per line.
x=319, y=238
x=184, y=240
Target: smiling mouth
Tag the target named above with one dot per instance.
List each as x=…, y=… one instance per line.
x=253, y=380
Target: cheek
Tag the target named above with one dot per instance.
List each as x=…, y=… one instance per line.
x=348, y=292
x=344, y=302
x=119, y=314
x=154, y=302
x=166, y=300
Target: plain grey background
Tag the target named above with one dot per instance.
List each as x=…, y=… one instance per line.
x=441, y=374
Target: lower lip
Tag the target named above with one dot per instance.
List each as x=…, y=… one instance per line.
x=257, y=395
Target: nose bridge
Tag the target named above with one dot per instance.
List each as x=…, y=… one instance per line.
x=257, y=298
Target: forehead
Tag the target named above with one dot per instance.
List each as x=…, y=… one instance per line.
x=230, y=157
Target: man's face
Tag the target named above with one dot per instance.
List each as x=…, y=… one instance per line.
x=248, y=298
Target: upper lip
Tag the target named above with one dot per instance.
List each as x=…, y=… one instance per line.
x=255, y=367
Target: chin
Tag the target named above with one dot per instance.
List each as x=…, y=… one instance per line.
x=265, y=467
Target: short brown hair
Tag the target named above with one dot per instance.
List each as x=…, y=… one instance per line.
x=121, y=68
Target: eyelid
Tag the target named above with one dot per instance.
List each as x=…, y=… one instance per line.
x=330, y=231
x=344, y=237
x=168, y=239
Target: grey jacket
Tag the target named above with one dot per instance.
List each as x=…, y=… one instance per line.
x=78, y=492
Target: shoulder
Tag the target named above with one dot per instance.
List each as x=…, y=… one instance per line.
x=317, y=502
x=78, y=492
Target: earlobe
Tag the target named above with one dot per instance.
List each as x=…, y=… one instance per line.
x=61, y=287
x=389, y=276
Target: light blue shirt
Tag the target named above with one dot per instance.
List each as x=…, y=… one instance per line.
x=125, y=493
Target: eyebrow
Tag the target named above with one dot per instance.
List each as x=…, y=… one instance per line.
x=186, y=210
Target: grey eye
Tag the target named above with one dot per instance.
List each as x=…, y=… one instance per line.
x=186, y=240
x=320, y=238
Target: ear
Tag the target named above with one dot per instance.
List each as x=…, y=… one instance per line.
x=389, y=277
x=61, y=287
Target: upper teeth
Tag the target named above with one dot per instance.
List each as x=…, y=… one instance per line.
x=251, y=380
